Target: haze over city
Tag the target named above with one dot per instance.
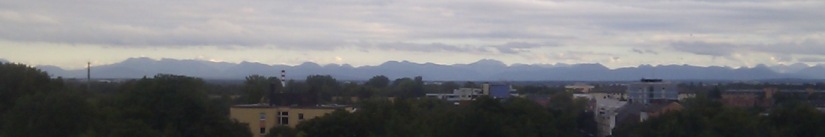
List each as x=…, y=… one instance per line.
x=616, y=34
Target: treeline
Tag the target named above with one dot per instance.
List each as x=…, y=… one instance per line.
x=484, y=117
x=707, y=117
x=410, y=114
x=327, y=88
x=34, y=105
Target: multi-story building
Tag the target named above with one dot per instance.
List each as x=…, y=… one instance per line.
x=606, y=109
x=648, y=91
x=280, y=109
x=261, y=117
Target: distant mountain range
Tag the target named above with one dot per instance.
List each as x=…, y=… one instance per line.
x=483, y=70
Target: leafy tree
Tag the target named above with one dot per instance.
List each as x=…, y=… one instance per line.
x=60, y=114
x=796, y=119
x=470, y=84
x=449, y=86
x=281, y=131
x=256, y=86
x=324, y=86
x=175, y=105
x=18, y=80
x=379, y=81
x=431, y=117
x=335, y=124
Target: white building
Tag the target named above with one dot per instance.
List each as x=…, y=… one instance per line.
x=606, y=109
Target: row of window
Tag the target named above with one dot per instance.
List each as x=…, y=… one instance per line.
x=283, y=119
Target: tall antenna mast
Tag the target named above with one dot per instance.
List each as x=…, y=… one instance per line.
x=88, y=76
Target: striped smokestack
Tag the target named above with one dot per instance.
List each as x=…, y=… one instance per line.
x=283, y=79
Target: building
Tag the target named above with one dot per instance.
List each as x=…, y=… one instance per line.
x=656, y=110
x=261, y=117
x=280, y=109
x=580, y=87
x=617, y=90
x=461, y=94
x=648, y=91
x=741, y=98
x=749, y=97
x=684, y=95
x=498, y=91
x=606, y=109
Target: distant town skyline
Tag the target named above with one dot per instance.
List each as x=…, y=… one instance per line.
x=370, y=32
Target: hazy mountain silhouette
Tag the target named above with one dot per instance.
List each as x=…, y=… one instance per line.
x=483, y=70
x=792, y=68
x=817, y=71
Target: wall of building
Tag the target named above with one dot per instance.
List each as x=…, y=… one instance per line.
x=500, y=91
x=739, y=99
x=644, y=92
x=253, y=116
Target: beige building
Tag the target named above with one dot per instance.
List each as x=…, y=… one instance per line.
x=260, y=117
x=582, y=87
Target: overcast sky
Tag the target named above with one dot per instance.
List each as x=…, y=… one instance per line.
x=616, y=33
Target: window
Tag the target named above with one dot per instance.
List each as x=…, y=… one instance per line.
x=284, y=118
x=263, y=123
x=300, y=116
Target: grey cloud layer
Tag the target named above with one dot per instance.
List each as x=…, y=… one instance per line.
x=781, y=51
x=791, y=27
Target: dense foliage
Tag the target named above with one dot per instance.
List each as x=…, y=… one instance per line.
x=33, y=105
x=708, y=118
x=516, y=117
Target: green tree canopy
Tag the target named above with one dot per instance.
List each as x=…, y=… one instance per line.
x=379, y=81
x=18, y=80
x=49, y=115
x=256, y=86
x=175, y=105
